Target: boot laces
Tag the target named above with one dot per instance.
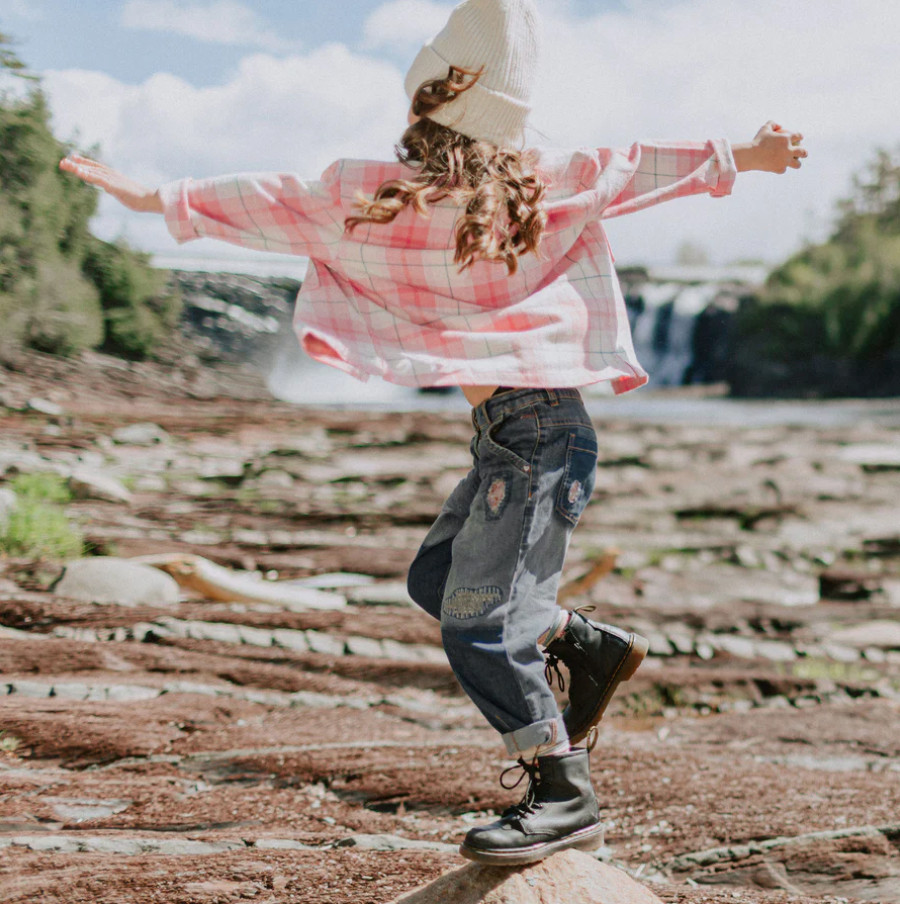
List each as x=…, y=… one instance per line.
x=551, y=666
x=527, y=804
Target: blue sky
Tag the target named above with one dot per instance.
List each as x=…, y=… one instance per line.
x=170, y=88
x=87, y=34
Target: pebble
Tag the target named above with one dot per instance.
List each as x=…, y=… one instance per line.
x=775, y=650
x=257, y=637
x=140, y=435
x=45, y=406
x=131, y=693
x=291, y=640
x=365, y=646
x=221, y=632
x=276, y=479
x=320, y=642
x=280, y=844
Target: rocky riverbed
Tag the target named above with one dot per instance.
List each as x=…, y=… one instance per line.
x=168, y=746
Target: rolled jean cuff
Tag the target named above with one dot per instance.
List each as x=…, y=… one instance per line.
x=539, y=734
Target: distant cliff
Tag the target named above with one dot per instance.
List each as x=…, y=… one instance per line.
x=234, y=319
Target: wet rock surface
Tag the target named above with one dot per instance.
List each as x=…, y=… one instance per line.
x=192, y=748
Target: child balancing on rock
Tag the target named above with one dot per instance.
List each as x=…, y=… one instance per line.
x=474, y=262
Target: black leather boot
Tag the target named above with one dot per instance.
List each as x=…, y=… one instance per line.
x=559, y=811
x=599, y=658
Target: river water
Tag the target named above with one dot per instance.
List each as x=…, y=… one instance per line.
x=295, y=378
x=304, y=382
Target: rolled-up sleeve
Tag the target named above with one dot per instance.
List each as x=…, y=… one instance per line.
x=264, y=211
x=664, y=170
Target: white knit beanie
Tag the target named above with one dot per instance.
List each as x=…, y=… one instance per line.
x=503, y=36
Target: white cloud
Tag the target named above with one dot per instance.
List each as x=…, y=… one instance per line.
x=404, y=25
x=294, y=114
x=29, y=10
x=683, y=69
x=215, y=22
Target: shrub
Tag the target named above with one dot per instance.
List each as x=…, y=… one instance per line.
x=138, y=314
x=61, y=289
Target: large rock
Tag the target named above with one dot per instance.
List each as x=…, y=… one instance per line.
x=110, y=580
x=566, y=878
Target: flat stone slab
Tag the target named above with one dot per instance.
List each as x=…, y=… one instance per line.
x=881, y=634
x=569, y=877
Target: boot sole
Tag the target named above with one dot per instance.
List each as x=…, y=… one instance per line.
x=587, y=839
x=630, y=663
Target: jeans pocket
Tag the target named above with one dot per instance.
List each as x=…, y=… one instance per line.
x=579, y=475
x=512, y=439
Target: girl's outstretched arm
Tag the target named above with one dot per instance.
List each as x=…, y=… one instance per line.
x=126, y=191
x=266, y=211
x=651, y=172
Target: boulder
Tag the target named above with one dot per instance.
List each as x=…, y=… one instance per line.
x=569, y=877
x=111, y=580
x=88, y=483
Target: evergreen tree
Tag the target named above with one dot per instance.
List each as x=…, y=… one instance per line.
x=61, y=289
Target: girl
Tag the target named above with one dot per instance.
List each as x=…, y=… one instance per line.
x=472, y=262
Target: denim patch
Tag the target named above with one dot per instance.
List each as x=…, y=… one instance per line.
x=468, y=602
x=496, y=496
x=578, y=477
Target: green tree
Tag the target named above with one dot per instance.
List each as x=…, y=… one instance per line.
x=61, y=289
x=839, y=301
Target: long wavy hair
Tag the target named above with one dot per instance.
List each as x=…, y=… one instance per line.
x=500, y=192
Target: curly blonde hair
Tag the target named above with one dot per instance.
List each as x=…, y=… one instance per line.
x=502, y=195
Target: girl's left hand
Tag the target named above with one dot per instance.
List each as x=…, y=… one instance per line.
x=777, y=148
x=126, y=191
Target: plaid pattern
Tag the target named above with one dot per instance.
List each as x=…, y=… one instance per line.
x=389, y=301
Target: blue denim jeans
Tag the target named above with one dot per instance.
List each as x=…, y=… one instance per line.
x=489, y=568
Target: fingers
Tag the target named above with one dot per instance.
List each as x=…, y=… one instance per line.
x=83, y=167
x=92, y=174
x=78, y=158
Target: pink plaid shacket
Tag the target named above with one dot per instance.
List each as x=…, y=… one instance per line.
x=389, y=301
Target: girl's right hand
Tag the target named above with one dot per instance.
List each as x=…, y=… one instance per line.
x=776, y=148
x=126, y=191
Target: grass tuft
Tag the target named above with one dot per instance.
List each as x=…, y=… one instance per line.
x=37, y=528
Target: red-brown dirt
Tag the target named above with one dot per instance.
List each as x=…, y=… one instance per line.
x=754, y=758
